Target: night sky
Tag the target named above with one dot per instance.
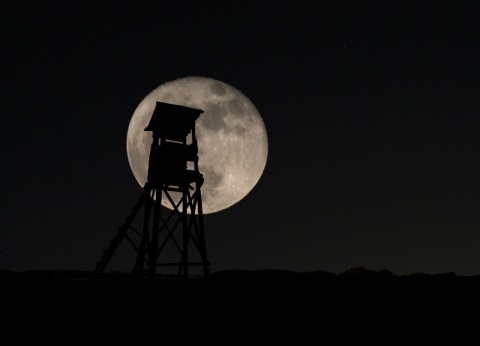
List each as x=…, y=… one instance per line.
x=371, y=109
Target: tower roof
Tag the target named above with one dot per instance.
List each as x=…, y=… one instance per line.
x=172, y=121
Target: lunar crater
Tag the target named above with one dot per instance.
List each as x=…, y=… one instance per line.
x=212, y=177
x=218, y=89
x=212, y=122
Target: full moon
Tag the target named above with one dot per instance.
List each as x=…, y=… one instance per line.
x=232, y=139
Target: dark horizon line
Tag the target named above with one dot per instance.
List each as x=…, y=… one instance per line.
x=359, y=271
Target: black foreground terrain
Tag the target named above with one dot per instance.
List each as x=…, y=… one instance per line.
x=239, y=307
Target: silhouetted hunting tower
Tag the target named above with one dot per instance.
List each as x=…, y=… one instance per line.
x=173, y=175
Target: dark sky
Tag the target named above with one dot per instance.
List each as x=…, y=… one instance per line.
x=371, y=108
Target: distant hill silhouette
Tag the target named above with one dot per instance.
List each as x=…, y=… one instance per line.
x=236, y=307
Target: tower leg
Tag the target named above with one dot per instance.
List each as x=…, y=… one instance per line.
x=139, y=264
x=201, y=237
x=197, y=205
x=153, y=246
x=185, y=235
x=122, y=230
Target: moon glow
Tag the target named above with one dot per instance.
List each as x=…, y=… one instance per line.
x=232, y=139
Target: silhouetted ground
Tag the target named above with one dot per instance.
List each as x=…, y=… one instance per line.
x=239, y=307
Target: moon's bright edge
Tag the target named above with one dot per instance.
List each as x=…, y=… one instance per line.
x=232, y=139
